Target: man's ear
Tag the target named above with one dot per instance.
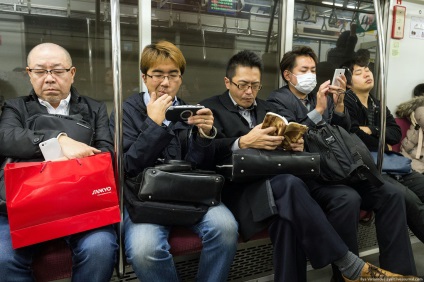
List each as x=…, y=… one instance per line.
x=227, y=82
x=286, y=75
x=143, y=76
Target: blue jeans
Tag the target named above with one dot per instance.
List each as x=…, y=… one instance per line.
x=93, y=255
x=147, y=247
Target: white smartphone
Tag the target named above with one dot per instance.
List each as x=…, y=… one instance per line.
x=51, y=149
x=337, y=73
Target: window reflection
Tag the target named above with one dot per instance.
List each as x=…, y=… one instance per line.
x=334, y=32
x=208, y=34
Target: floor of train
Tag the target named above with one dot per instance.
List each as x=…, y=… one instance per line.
x=324, y=274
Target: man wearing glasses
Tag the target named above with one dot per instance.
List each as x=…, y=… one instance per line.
x=51, y=74
x=150, y=139
x=341, y=203
x=297, y=225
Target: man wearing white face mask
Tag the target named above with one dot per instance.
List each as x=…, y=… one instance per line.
x=341, y=203
x=297, y=102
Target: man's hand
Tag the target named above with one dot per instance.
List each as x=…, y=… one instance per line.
x=73, y=149
x=366, y=129
x=298, y=146
x=203, y=119
x=258, y=138
x=338, y=93
x=322, y=97
x=157, y=106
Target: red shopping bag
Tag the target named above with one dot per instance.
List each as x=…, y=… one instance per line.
x=47, y=200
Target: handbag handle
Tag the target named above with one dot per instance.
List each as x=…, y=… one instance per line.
x=174, y=166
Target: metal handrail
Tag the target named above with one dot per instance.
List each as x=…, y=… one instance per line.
x=117, y=91
x=382, y=82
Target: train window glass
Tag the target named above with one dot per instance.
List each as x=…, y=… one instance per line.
x=207, y=35
x=335, y=30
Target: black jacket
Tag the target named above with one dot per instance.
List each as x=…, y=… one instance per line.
x=251, y=203
x=19, y=142
x=359, y=117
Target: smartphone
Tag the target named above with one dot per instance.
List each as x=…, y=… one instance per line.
x=337, y=73
x=51, y=149
x=181, y=113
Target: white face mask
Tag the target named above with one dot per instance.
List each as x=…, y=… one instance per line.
x=305, y=82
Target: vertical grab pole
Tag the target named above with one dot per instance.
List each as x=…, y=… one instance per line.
x=144, y=31
x=285, y=30
x=90, y=55
x=117, y=92
x=382, y=83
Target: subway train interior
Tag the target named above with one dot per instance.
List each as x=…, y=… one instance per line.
x=105, y=38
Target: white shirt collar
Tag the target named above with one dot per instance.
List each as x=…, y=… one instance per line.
x=240, y=107
x=62, y=109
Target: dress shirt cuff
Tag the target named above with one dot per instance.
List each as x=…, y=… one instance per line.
x=235, y=145
x=315, y=116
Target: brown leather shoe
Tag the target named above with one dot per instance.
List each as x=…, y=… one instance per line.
x=370, y=271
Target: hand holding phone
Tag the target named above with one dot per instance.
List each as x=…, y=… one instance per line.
x=337, y=73
x=182, y=112
x=51, y=149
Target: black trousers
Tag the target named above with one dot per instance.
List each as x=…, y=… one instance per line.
x=412, y=185
x=300, y=230
x=342, y=204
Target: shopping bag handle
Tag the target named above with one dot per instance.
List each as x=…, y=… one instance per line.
x=45, y=164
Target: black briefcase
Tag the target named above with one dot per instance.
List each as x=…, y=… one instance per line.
x=74, y=126
x=254, y=164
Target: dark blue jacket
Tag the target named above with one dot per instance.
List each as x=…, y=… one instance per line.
x=146, y=144
x=290, y=107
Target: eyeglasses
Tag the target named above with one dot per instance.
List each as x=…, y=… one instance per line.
x=160, y=77
x=53, y=72
x=244, y=87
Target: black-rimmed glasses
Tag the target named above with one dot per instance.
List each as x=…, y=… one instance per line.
x=44, y=72
x=160, y=77
x=244, y=86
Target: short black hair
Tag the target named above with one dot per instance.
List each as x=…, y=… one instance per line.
x=289, y=58
x=243, y=58
x=419, y=90
x=361, y=58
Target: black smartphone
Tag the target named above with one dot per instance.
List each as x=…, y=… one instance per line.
x=181, y=113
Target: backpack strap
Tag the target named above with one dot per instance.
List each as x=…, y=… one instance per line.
x=363, y=168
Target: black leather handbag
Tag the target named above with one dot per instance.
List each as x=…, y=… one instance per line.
x=173, y=194
x=253, y=164
x=74, y=126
